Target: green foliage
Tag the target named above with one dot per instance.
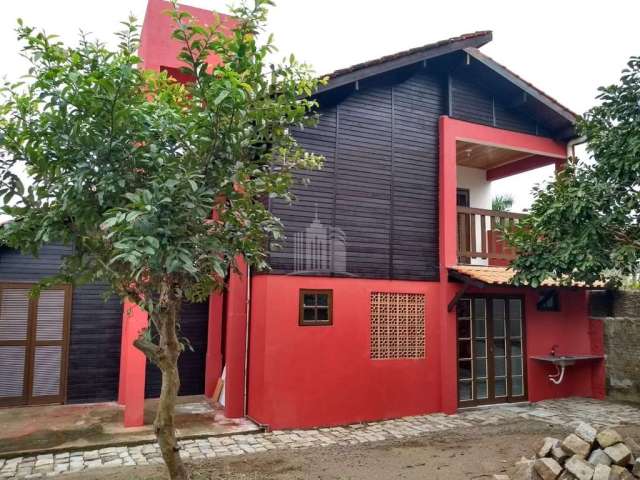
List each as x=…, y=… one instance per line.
x=129, y=165
x=502, y=203
x=584, y=225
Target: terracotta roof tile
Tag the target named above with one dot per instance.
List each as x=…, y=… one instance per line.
x=502, y=276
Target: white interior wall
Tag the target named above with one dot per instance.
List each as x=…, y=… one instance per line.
x=475, y=180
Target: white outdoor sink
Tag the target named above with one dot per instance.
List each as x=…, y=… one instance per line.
x=565, y=360
x=562, y=361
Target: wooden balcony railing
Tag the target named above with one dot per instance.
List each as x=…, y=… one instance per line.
x=479, y=235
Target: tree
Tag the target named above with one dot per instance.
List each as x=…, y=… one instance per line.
x=502, y=203
x=584, y=225
x=157, y=185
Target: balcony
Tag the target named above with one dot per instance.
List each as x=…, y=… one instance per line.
x=480, y=239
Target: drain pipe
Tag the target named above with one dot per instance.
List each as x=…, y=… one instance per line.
x=246, y=342
x=571, y=145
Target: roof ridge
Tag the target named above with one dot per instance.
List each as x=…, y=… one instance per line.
x=403, y=53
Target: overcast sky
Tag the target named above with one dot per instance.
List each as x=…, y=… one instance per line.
x=565, y=47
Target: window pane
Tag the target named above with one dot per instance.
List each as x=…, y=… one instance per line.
x=479, y=318
x=515, y=317
x=309, y=299
x=322, y=299
x=516, y=386
x=309, y=314
x=480, y=365
x=500, y=366
x=479, y=348
x=501, y=387
x=464, y=328
x=481, y=389
x=463, y=308
x=464, y=390
x=516, y=347
x=464, y=349
x=498, y=317
x=499, y=347
x=464, y=369
x=322, y=313
x=516, y=365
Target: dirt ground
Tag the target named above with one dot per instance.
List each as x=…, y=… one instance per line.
x=470, y=454
x=30, y=430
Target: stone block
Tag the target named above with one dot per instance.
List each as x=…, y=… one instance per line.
x=501, y=477
x=579, y=467
x=620, y=473
x=574, y=445
x=586, y=432
x=558, y=454
x=547, y=468
x=599, y=457
x=619, y=453
x=633, y=446
x=601, y=472
x=566, y=475
x=608, y=437
x=547, y=444
x=524, y=470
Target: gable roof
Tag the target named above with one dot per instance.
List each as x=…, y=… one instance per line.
x=387, y=63
x=485, y=67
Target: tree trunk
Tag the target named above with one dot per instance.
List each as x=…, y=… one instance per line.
x=164, y=423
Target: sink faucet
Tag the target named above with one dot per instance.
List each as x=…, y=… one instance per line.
x=553, y=350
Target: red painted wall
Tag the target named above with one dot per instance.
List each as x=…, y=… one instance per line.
x=573, y=333
x=157, y=48
x=318, y=376
x=302, y=377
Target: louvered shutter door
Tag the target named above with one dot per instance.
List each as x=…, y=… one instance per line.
x=14, y=336
x=48, y=347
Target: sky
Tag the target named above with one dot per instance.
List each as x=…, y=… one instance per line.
x=567, y=48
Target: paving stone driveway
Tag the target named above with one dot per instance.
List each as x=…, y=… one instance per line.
x=561, y=412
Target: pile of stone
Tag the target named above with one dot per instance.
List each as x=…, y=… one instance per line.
x=585, y=454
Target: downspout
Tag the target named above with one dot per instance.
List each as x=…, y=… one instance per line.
x=571, y=145
x=246, y=341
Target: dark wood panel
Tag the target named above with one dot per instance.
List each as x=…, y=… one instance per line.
x=379, y=187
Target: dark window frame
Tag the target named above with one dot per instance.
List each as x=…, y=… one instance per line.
x=301, y=306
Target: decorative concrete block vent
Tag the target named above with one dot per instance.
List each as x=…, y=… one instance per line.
x=585, y=454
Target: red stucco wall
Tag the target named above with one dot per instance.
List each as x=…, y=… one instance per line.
x=316, y=376
x=312, y=376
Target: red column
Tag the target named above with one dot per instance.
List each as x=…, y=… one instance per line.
x=448, y=257
x=213, y=366
x=236, y=339
x=132, y=366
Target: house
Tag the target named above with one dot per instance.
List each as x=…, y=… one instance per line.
x=390, y=296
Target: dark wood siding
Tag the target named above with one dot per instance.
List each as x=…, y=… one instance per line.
x=379, y=184
x=191, y=365
x=94, y=344
x=474, y=103
x=94, y=350
x=96, y=326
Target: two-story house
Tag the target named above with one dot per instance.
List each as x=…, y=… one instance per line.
x=390, y=295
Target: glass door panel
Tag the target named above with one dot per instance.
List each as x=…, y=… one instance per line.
x=515, y=344
x=490, y=349
x=465, y=367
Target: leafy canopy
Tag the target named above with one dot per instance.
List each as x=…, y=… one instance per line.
x=156, y=184
x=584, y=225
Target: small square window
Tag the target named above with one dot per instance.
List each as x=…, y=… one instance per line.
x=548, y=301
x=315, y=307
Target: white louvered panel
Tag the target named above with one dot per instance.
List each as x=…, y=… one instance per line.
x=50, y=322
x=46, y=371
x=12, y=371
x=14, y=314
